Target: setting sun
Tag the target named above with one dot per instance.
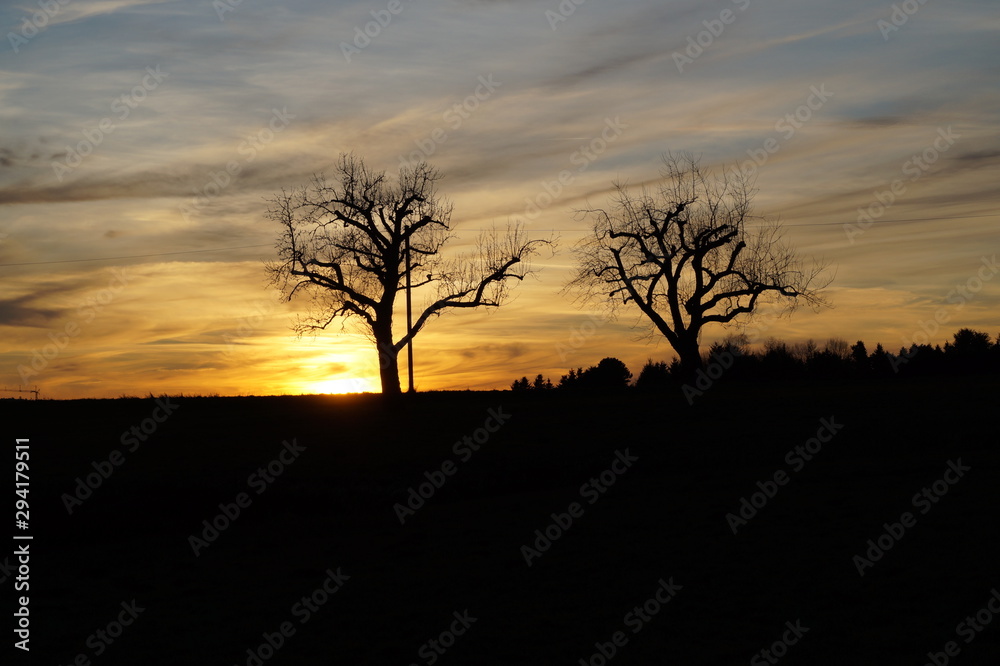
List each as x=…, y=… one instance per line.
x=500, y=332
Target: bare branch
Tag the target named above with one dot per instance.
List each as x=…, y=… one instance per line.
x=343, y=246
x=686, y=256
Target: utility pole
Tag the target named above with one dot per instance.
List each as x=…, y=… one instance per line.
x=409, y=316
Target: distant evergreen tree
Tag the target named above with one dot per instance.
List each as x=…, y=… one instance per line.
x=610, y=374
x=541, y=384
x=971, y=343
x=570, y=381
x=733, y=354
x=971, y=351
x=880, y=361
x=520, y=384
x=654, y=376
x=859, y=358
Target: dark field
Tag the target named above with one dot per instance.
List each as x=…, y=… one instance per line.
x=664, y=517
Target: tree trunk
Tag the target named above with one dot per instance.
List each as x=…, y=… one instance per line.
x=388, y=360
x=389, y=373
x=690, y=356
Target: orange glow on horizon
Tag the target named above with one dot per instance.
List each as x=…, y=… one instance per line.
x=343, y=385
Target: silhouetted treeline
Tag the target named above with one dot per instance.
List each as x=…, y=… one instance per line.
x=610, y=374
x=970, y=352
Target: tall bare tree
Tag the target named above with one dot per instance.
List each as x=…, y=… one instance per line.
x=686, y=257
x=344, y=246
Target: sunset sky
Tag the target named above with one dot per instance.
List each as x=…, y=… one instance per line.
x=119, y=118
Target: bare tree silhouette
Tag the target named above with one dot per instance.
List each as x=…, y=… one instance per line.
x=685, y=256
x=345, y=245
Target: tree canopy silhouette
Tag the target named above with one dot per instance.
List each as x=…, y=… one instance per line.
x=685, y=256
x=971, y=353
x=344, y=245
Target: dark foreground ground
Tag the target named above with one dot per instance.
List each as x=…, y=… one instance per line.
x=400, y=586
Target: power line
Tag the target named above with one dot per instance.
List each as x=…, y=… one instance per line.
x=800, y=224
x=245, y=247
x=912, y=219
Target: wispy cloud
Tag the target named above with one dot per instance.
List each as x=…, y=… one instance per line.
x=131, y=195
